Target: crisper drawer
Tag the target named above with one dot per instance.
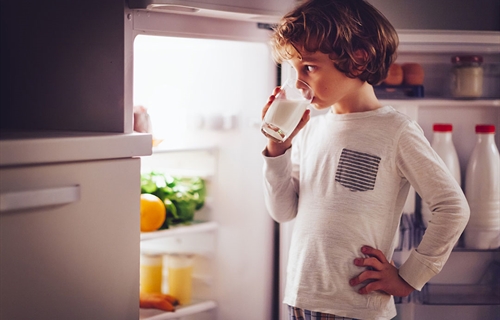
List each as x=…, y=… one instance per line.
x=69, y=241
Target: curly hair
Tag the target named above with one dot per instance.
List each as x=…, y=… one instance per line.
x=339, y=28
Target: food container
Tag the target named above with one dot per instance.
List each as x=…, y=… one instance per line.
x=413, y=74
x=467, y=76
x=151, y=273
x=180, y=276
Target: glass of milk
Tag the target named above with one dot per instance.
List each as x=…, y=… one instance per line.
x=286, y=110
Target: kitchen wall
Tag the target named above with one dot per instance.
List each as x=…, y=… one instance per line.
x=63, y=66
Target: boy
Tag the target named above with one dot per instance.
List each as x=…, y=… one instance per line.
x=347, y=174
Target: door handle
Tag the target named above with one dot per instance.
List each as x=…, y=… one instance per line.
x=30, y=199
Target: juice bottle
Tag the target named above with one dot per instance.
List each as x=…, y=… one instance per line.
x=180, y=275
x=151, y=273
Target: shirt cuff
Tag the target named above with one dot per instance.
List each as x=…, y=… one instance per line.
x=274, y=167
x=416, y=272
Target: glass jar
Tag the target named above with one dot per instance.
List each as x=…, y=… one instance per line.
x=467, y=76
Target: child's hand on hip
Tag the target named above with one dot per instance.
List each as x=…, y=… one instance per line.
x=381, y=275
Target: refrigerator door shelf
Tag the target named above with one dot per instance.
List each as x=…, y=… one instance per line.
x=195, y=308
x=439, y=41
x=434, y=294
x=196, y=227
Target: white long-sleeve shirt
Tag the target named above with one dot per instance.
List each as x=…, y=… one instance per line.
x=345, y=181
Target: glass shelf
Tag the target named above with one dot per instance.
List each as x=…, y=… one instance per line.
x=182, y=311
x=442, y=102
x=418, y=233
x=195, y=227
x=436, y=41
x=173, y=148
x=449, y=294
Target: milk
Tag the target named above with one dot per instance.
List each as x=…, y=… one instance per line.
x=442, y=143
x=482, y=190
x=283, y=117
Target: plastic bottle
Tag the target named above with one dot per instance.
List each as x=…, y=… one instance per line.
x=442, y=143
x=482, y=189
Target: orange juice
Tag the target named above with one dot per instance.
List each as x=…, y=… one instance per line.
x=180, y=274
x=151, y=273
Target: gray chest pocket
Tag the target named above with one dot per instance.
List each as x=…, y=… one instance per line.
x=356, y=170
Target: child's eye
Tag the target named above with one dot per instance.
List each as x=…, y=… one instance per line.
x=310, y=68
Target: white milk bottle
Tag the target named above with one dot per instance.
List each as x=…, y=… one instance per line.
x=482, y=189
x=442, y=143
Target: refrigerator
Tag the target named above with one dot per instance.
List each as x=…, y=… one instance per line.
x=69, y=164
x=204, y=78
x=203, y=71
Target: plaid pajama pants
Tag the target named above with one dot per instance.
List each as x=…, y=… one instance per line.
x=302, y=314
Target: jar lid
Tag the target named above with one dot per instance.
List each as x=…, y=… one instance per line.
x=442, y=127
x=485, y=128
x=468, y=58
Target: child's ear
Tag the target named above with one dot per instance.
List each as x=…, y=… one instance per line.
x=361, y=57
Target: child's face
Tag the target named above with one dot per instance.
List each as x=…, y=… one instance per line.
x=330, y=86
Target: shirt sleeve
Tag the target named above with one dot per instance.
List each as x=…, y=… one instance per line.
x=281, y=186
x=427, y=173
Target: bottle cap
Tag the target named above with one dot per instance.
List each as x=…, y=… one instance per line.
x=466, y=59
x=485, y=128
x=442, y=127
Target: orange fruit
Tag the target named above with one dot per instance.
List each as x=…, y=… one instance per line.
x=153, y=212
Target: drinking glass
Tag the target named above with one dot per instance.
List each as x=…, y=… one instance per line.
x=286, y=110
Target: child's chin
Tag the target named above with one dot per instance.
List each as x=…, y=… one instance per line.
x=319, y=106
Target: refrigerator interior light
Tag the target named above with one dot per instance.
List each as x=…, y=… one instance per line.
x=173, y=8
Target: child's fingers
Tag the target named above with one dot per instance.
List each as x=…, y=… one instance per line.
x=303, y=121
x=364, y=276
x=374, y=253
x=369, y=262
x=270, y=101
x=372, y=286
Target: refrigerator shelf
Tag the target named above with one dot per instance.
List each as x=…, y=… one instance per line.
x=195, y=227
x=448, y=41
x=173, y=148
x=419, y=230
x=183, y=311
x=436, y=102
x=449, y=294
x=384, y=91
